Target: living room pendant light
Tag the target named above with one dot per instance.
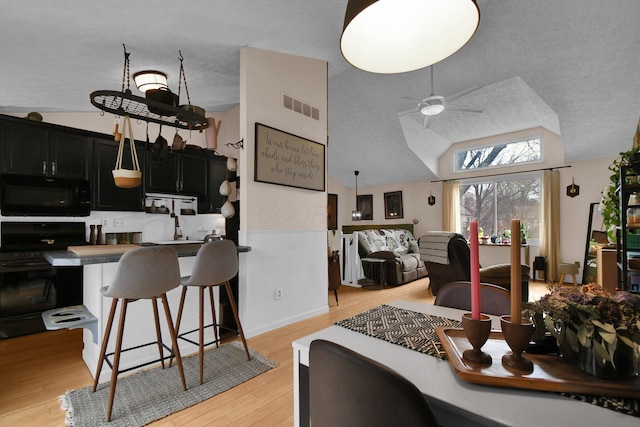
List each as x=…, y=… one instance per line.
x=356, y=215
x=396, y=36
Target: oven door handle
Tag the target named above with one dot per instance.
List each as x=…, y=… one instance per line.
x=19, y=264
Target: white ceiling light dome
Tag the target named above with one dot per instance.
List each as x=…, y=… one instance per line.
x=396, y=36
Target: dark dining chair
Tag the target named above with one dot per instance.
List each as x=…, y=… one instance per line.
x=493, y=299
x=351, y=390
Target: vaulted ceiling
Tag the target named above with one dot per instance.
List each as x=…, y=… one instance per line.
x=570, y=66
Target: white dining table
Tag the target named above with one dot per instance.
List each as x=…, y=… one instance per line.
x=454, y=401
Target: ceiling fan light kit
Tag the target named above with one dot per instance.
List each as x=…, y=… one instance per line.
x=397, y=36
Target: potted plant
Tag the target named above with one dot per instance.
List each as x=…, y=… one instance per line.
x=597, y=331
x=610, y=201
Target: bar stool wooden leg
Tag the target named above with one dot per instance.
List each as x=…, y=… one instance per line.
x=116, y=358
x=213, y=316
x=201, y=329
x=174, y=338
x=232, y=301
x=156, y=319
x=105, y=341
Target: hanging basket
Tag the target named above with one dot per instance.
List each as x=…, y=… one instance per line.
x=127, y=178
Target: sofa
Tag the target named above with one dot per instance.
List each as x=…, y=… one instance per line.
x=447, y=257
x=398, y=248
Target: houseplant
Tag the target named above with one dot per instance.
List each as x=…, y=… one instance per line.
x=610, y=201
x=597, y=331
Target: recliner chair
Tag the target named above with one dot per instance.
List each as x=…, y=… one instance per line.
x=448, y=259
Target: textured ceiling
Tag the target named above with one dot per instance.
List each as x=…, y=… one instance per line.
x=571, y=66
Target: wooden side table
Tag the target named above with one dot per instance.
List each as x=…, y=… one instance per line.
x=334, y=273
x=607, y=269
x=368, y=265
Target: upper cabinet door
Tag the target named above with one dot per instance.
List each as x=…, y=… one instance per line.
x=106, y=196
x=193, y=175
x=32, y=149
x=69, y=155
x=25, y=149
x=162, y=177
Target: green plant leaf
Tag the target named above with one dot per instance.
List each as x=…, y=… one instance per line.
x=607, y=327
x=602, y=352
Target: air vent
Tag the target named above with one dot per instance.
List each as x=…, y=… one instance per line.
x=293, y=104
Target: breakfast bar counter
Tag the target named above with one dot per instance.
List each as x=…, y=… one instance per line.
x=98, y=272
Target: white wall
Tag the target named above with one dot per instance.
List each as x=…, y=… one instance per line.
x=286, y=227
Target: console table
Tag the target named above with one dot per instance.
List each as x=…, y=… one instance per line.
x=455, y=402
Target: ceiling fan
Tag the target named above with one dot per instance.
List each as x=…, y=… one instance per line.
x=433, y=104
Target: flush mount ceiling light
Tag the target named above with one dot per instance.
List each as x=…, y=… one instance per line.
x=148, y=79
x=396, y=36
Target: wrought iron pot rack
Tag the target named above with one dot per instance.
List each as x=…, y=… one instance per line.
x=124, y=103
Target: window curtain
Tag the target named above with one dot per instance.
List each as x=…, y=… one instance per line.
x=550, y=222
x=451, y=206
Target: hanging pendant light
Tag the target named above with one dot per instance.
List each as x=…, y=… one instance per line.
x=356, y=215
x=396, y=36
x=225, y=188
x=227, y=210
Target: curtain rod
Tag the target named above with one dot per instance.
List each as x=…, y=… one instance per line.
x=501, y=174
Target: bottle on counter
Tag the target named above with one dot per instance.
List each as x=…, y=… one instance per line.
x=92, y=235
x=99, y=235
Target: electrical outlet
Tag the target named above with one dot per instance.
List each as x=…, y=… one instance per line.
x=278, y=294
x=118, y=222
x=105, y=222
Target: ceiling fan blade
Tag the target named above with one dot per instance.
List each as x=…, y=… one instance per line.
x=453, y=107
x=403, y=113
x=461, y=93
x=411, y=98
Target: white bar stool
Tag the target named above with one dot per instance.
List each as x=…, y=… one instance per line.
x=216, y=263
x=144, y=273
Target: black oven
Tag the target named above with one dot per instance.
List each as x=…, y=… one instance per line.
x=29, y=285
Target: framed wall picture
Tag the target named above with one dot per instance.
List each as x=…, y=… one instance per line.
x=365, y=206
x=393, y=205
x=286, y=159
x=332, y=211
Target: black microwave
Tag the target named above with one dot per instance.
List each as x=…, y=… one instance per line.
x=29, y=195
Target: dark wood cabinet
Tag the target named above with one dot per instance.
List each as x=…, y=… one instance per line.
x=181, y=173
x=217, y=174
x=35, y=149
x=105, y=195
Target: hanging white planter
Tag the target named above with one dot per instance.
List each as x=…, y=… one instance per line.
x=232, y=165
x=225, y=188
x=227, y=210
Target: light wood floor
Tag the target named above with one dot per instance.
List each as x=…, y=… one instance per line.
x=35, y=370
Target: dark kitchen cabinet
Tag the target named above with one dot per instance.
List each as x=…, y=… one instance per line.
x=217, y=174
x=106, y=196
x=180, y=173
x=36, y=149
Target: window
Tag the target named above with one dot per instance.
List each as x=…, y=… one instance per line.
x=504, y=154
x=495, y=201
